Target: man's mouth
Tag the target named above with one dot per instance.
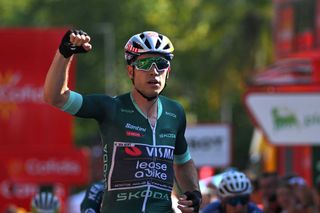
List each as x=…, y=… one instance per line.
x=154, y=82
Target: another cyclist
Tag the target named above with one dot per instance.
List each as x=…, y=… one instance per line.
x=142, y=131
x=92, y=200
x=234, y=195
x=45, y=202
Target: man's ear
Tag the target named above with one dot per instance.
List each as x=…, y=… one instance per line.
x=130, y=71
x=168, y=72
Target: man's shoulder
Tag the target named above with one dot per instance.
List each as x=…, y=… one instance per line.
x=108, y=98
x=170, y=102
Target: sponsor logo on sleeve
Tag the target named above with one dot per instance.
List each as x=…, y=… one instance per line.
x=171, y=114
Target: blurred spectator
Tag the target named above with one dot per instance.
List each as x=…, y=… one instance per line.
x=305, y=201
x=285, y=197
x=268, y=183
x=256, y=195
x=234, y=192
x=316, y=195
x=295, y=196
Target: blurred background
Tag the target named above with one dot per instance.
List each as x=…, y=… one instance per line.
x=247, y=73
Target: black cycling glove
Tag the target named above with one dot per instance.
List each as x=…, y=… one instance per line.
x=66, y=48
x=196, y=199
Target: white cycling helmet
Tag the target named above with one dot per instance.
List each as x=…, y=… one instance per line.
x=45, y=202
x=148, y=42
x=234, y=183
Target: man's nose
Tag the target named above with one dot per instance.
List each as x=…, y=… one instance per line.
x=154, y=69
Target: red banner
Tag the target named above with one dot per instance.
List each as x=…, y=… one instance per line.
x=43, y=167
x=25, y=120
x=36, y=143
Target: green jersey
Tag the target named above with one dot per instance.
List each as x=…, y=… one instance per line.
x=138, y=158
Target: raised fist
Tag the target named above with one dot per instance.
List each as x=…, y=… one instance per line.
x=74, y=41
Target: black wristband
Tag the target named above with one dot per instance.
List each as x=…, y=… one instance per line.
x=66, y=48
x=196, y=198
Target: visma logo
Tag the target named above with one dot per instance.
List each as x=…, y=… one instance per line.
x=283, y=118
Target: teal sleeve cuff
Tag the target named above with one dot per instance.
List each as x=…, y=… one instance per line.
x=181, y=159
x=73, y=103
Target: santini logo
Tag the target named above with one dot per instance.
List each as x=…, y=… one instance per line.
x=137, y=128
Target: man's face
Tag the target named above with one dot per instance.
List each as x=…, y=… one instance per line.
x=236, y=204
x=149, y=73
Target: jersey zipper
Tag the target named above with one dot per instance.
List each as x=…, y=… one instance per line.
x=154, y=160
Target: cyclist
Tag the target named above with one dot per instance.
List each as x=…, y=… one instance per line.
x=45, y=202
x=142, y=131
x=92, y=200
x=234, y=192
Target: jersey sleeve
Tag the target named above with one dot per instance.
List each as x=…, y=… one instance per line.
x=73, y=103
x=181, y=153
x=89, y=106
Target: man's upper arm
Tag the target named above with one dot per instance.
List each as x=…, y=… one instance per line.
x=89, y=106
x=182, y=158
x=73, y=104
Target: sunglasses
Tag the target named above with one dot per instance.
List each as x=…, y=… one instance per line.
x=145, y=64
x=234, y=201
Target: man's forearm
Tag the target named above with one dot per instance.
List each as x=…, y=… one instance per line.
x=187, y=176
x=56, y=83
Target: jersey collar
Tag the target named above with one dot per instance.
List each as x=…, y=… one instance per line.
x=160, y=109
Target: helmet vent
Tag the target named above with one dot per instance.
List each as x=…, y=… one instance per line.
x=232, y=187
x=158, y=44
x=142, y=36
x=147, y=44
x=136, y=45
x=237, y=185
x=167, y=47
x=160, y=36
